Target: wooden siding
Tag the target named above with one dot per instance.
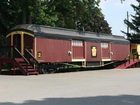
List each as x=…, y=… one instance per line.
x=105, y=50
x=53, y=50
x=78, y=52
x=28, y=41
x=119, y=51
x=78, y=49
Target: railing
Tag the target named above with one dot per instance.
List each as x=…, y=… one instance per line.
x=30, y=55
x=32, y=60
x=135, y=56
x=11, y=52
x=26, y=60
x=16, y=51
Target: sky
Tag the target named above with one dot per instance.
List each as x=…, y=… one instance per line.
x=115, y=12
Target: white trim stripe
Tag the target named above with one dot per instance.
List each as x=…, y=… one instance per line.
x=106, y=59
x=77, y=60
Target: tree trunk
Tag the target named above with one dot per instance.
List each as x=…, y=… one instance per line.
x=23, y=17
x=30, y=18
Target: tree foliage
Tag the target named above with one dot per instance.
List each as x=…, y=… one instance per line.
x=134, y=24
x=74, y=14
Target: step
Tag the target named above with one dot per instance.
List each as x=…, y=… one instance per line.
x=27, y=67
x=19, y=60
x=127, y=64
x=31, y=70
x=33, y=73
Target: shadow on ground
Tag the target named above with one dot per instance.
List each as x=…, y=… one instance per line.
x=99, y=100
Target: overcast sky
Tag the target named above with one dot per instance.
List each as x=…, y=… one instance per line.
x=115, y=12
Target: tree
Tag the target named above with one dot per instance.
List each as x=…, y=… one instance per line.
x=74, y=14
x=134, y=24
x=80, y=14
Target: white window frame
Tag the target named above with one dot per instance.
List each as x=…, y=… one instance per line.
x=77, y=43
x=104, y=45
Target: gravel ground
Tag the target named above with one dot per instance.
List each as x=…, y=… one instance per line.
x=108, y=87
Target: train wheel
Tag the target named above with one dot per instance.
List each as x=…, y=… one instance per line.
x=44, y=68
x=52, y=70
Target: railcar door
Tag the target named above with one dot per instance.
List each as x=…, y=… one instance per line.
x=78, y=50
x=17, y=43
x=105, y=51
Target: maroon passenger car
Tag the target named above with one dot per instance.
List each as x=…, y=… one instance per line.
x=59, y=46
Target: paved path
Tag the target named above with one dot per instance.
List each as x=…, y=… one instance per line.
x=110, y=87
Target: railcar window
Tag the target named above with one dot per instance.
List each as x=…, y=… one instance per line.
x=77, y=43
x=104, y=45
x=93, y=51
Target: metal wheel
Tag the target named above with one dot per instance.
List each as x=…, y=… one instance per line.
x=44, y=68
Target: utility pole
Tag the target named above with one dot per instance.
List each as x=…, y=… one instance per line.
x=127, y=20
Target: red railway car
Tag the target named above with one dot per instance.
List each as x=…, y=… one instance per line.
x=56, y=46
